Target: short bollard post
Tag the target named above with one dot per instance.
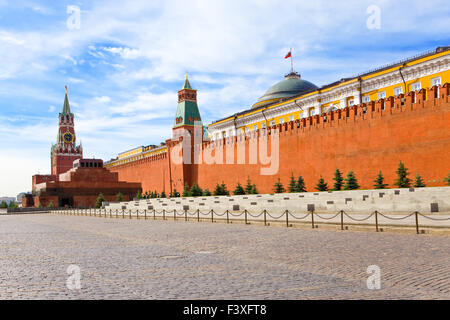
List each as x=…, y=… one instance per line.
x=137, y=214
x=130, y=213
x=117, y=213
x=287, y=219
x=265, y=217
x=154, y=214
x=174, y=215
x=198, y=215
x=123, y=213
x=376, y=220
x=164, y=214
x=245, y=212
x=312, y=218
x=212, y=215
x=145, y=214
x=185, y=215
x=228, y=218
x=417, y=221
x=110, y=213
x=342, y=219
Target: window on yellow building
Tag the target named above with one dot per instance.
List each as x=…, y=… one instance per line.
x=398, y=90
x=291, y=117
x=281, y=120
x=366, y=99
x=381, y=95
x=416, y=86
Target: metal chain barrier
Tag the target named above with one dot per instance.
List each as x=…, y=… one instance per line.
x=354, y=219
x=434, y=219
x=317, y=215
x=211, y=213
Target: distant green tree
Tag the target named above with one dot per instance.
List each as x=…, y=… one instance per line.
x=206, y=192
x=254, y=190
x=185, y=191
x=321, y=185
x=350, y=182
x=119, y=196
x=239, y=190
x=379, y=181
x=195, y=191
x=248, y=186
x=99, y=201
x=224, y=189
x=176, y=194
x=278, y=187
x=418, y=182
x=301, y=187
x=146, y=195
x=447, y=179
x=50, y=205
x=221, y=190
x=163, y=194
x=39, y=205
x=402, y=180
x=3, y=204
x=338, y=180
x=156, y=194
x=139, y=195
x=292, y=184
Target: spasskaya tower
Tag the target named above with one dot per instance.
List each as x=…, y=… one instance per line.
x=65, y=151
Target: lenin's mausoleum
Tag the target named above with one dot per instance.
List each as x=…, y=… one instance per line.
x=366, y=123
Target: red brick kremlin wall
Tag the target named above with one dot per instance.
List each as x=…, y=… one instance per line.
x=349, y=139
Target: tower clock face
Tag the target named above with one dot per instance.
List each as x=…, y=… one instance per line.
x=68, y=137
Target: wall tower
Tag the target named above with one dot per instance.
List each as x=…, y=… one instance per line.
x=65, y=151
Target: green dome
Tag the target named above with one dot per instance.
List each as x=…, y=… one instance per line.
x=291, y=86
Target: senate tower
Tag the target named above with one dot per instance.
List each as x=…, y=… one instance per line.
x=65, y=151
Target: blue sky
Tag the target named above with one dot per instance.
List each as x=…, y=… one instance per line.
x=126, y=61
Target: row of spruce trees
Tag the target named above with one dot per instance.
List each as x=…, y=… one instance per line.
x=294, y=186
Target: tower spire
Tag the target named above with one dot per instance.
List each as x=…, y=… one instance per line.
x=66, y=107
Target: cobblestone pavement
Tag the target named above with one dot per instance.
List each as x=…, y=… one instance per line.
x=137, y=259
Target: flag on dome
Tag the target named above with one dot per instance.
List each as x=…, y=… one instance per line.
x=288, y=54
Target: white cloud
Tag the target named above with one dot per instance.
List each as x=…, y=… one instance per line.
x=103, y=99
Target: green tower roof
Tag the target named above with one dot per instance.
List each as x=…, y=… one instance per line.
x=186, y=84
x=66, y=107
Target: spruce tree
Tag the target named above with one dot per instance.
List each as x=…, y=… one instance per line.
x=402, y=180
x=447, y=179
x=292, y=184
x=278, y=187
x=185, y=191
x=217, y=190
x=163, y=194
x=248, y=187
x=379, y=181
x=418, y=182
x=206, y=193
x=239, y=190
x=139, y=195
x=195, y=191
x=321, y=185
x=119, y=197
x=176, y=194
x=338, y=180
x=350, y=182
x=99, y=201
x=253, y=190
x=224, y=190
x=301, y=187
